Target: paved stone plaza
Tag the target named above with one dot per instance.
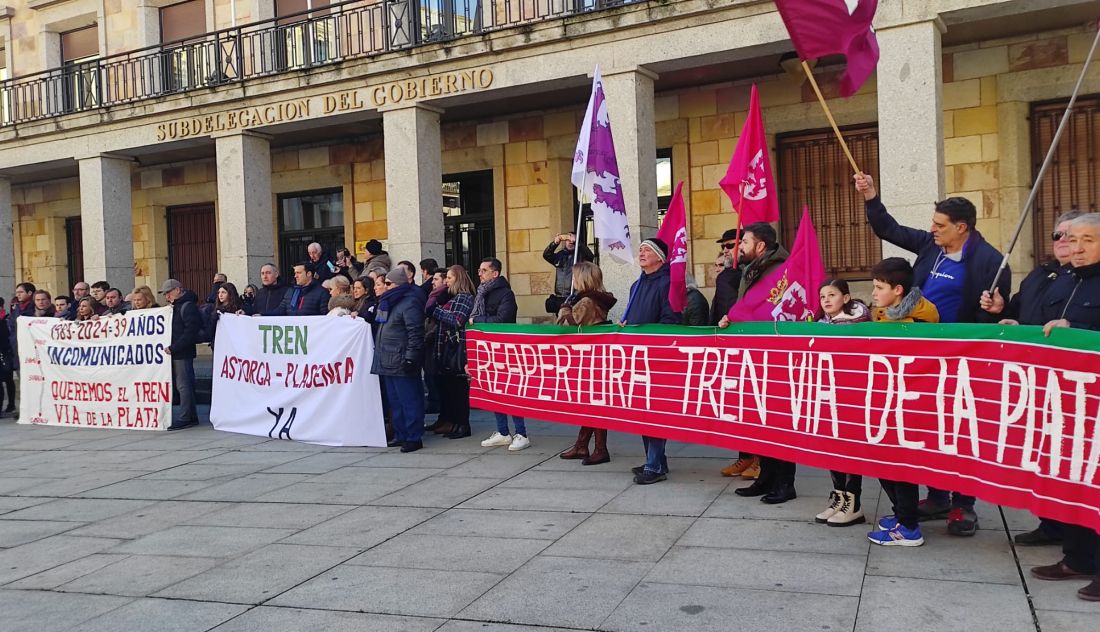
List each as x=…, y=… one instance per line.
x=203, y=530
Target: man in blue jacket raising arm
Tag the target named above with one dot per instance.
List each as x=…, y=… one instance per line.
x=954, y=265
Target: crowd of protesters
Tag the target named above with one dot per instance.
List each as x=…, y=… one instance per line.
x=420, y=334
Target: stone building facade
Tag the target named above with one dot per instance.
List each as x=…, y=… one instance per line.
x=147, y=138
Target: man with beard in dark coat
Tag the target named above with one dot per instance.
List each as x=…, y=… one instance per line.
x=306, y=298
x=186, y=325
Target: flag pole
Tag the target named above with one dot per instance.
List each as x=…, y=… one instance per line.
x=829, y=115
x=1046, y=162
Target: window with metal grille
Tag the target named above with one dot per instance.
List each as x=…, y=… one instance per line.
x=1073, y=180
x=812, y=171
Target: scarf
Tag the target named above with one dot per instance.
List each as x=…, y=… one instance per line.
x=389, y=299
x=483, y=291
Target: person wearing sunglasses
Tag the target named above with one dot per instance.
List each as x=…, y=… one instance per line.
x=727, y=276
x=1025, y=309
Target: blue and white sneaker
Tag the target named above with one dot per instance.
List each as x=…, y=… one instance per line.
x=886, y=523
x=898, y=536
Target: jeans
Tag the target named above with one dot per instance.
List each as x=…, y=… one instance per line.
x=183, y=372
x=1081, y=548
x=956, y=499
x=502, y=424
x=406, y=395
x=655, y=459
x=905, y=497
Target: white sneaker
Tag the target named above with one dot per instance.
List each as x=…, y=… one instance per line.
x=497, y=439
x=519, y=442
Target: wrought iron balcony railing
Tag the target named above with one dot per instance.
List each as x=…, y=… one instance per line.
x=348, y=30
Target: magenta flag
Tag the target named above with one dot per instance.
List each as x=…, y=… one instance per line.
x=789, y=292
x=819, y=28
x=674, y=233
x=748, y=181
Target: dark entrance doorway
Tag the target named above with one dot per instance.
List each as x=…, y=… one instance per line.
x=74, y=246
x=193, y=246
x=307, y=217
x=468, y=219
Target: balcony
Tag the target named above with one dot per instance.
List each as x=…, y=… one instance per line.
x=311, y=39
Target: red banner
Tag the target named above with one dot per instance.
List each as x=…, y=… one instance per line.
x=1001, y=413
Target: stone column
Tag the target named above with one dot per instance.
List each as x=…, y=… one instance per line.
x=910, y=124
x=414, y=181
x=107, y=220
x=7, y=242
x=629, y=96
x=245, y=236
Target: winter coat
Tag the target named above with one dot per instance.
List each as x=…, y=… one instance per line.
x=1026, y=305
x=726, y=285
x=400, y=336
x=500, y=304
x=268, y=298
x=591, y=308
x=324, y=268
x=697, y=311
x=1074, y=297
x=452, y=317
x=562, y=260
x=649, y=300
x=17, y=310
x=860, y=314
x=186, y=326
x=980, y=259
x=379, y=262
x=311, y=300
x=913, y=308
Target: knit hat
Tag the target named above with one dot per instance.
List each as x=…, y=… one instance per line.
x=659, y=247
x=374, y=247
x=397, y=276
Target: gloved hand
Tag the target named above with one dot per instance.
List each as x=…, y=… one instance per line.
x=410, y=367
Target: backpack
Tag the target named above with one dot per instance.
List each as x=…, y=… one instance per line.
x=208, y=316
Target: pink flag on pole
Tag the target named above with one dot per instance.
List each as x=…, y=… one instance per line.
x=789, y=292
x=748, y=181
x=819, y=28
x=674, y=233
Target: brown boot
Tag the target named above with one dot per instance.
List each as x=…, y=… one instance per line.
x=600, y=454
x=580, y=448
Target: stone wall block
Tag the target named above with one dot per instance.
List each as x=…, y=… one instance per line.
x=1045, y=53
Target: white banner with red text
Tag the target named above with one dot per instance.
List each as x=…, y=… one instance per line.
x=1001, y=413
x=304, y=378
x=106, y=373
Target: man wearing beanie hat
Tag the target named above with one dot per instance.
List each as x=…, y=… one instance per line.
x=648, y=303
x=399, y=355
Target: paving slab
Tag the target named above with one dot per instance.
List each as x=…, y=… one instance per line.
x=39, y=611
x=480, y=626
x=501, y=523
x=78, y=509
x=437, y=491
x=144, y=490
x=1059, y=620
x=452, y=553
x=925, y=604
x=559, y=591
x=818, y=573
x=9, y=504
x=163, y=615
x=269, y=619
x=52, y=578
x=35, y=557
x=16, y=532
x=13, y=485
x=318, y=463
x=363, y=527
x=148, y=519
x=196, y=541
x=666, y=499
x=945, y=557
x=260, y=575
x=550, y=479
x=618, y=537
x=583, y=500
x=390, y=590
x=813, y=493
x=497, y=463
x=246, y=488
x=767, y=535
x=139, y=575
x=196, y=472
x=267, y=515
x=421, y=459
x=659, y=606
